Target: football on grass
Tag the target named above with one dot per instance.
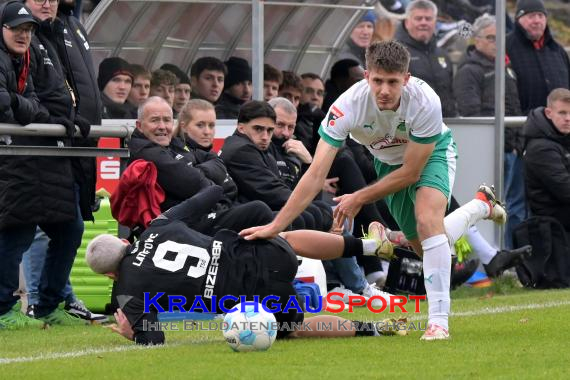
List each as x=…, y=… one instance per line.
x=252, y=329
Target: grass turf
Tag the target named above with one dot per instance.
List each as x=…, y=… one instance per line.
x=516, y=335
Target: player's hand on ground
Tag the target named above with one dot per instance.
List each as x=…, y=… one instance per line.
x=347, y=208
x=122, y=327
x=267, y=231
x=330, y=185
x=297, y=148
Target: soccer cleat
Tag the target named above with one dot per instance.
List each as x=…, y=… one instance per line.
x=384, y=248
x=463, y=271
x=372, y=291
x=506, y=259
x=78, y=309
x=62, y=318
x=498, y=214
x=15, y=319
x=435, y=332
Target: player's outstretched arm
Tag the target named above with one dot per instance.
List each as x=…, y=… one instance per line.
x=307, y=188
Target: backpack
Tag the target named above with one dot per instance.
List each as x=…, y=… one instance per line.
x=307, y=291
x=549, y=264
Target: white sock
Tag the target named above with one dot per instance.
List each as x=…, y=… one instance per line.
x=369, y=247
x=457, y=223
x=481, y=247
x=437, y=274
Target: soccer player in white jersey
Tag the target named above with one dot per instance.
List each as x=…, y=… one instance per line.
x=398, y=118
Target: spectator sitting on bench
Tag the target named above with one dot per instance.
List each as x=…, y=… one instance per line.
x=154, y=141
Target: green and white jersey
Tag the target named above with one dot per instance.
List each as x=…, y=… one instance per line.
x=385, y=133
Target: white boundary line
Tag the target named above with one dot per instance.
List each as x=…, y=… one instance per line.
x=86, y=352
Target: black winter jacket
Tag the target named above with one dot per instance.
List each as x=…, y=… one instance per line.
x=176, y=173
x=228, y=107
x=74, y=47
x=290, y=167
x=212, y=166
x=538, y=71
x=547, y=168
x=474, y=88
x=255, y=172
x=33, y=189
x=431, y=64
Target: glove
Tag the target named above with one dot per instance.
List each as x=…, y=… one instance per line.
x=68, y=124
x=83, y=124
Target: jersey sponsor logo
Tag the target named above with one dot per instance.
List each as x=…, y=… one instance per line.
x=388, y=141
x=334, y=114
x=213, y=270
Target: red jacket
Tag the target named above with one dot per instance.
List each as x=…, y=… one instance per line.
x=136, y=202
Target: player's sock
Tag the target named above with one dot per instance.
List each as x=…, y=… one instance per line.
x=353, y=246
x=480, y=246
x=437, y=273
x=457, y=223
x=369, y=246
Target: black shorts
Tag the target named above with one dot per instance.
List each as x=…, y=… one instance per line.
x=265, y=268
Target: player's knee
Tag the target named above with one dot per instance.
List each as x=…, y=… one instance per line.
x=428, y=225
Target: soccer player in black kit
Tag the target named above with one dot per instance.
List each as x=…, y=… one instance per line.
x=222, y=265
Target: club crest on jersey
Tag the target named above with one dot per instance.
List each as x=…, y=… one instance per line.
x=334, y=114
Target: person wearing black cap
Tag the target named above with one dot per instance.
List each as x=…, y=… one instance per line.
x=540, y=63
x=115, y=80
x=237, y=88
x=182, y=90
x=34, y=190
x=58, y=98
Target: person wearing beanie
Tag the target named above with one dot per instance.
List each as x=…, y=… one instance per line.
x=428, y=62
x=540, y=63
x=360, y=39
x=237, y=88
x=115, y=80
x=182, y=90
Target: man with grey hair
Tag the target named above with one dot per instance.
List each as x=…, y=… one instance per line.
x=153, y=140
x=428, y=61
x=289, y=153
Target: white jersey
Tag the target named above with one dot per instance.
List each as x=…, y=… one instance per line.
x=385, y=133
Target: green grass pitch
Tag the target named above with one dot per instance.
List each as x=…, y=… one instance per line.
x=519, y=335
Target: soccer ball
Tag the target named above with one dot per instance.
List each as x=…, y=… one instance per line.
x=250, y=330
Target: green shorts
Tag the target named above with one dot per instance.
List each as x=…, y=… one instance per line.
x=439, y=173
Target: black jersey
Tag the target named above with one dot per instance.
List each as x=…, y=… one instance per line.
x=174, y=260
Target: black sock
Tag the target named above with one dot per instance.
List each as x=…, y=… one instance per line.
x=352, y=246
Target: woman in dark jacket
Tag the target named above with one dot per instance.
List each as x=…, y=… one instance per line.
x=197, y=128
